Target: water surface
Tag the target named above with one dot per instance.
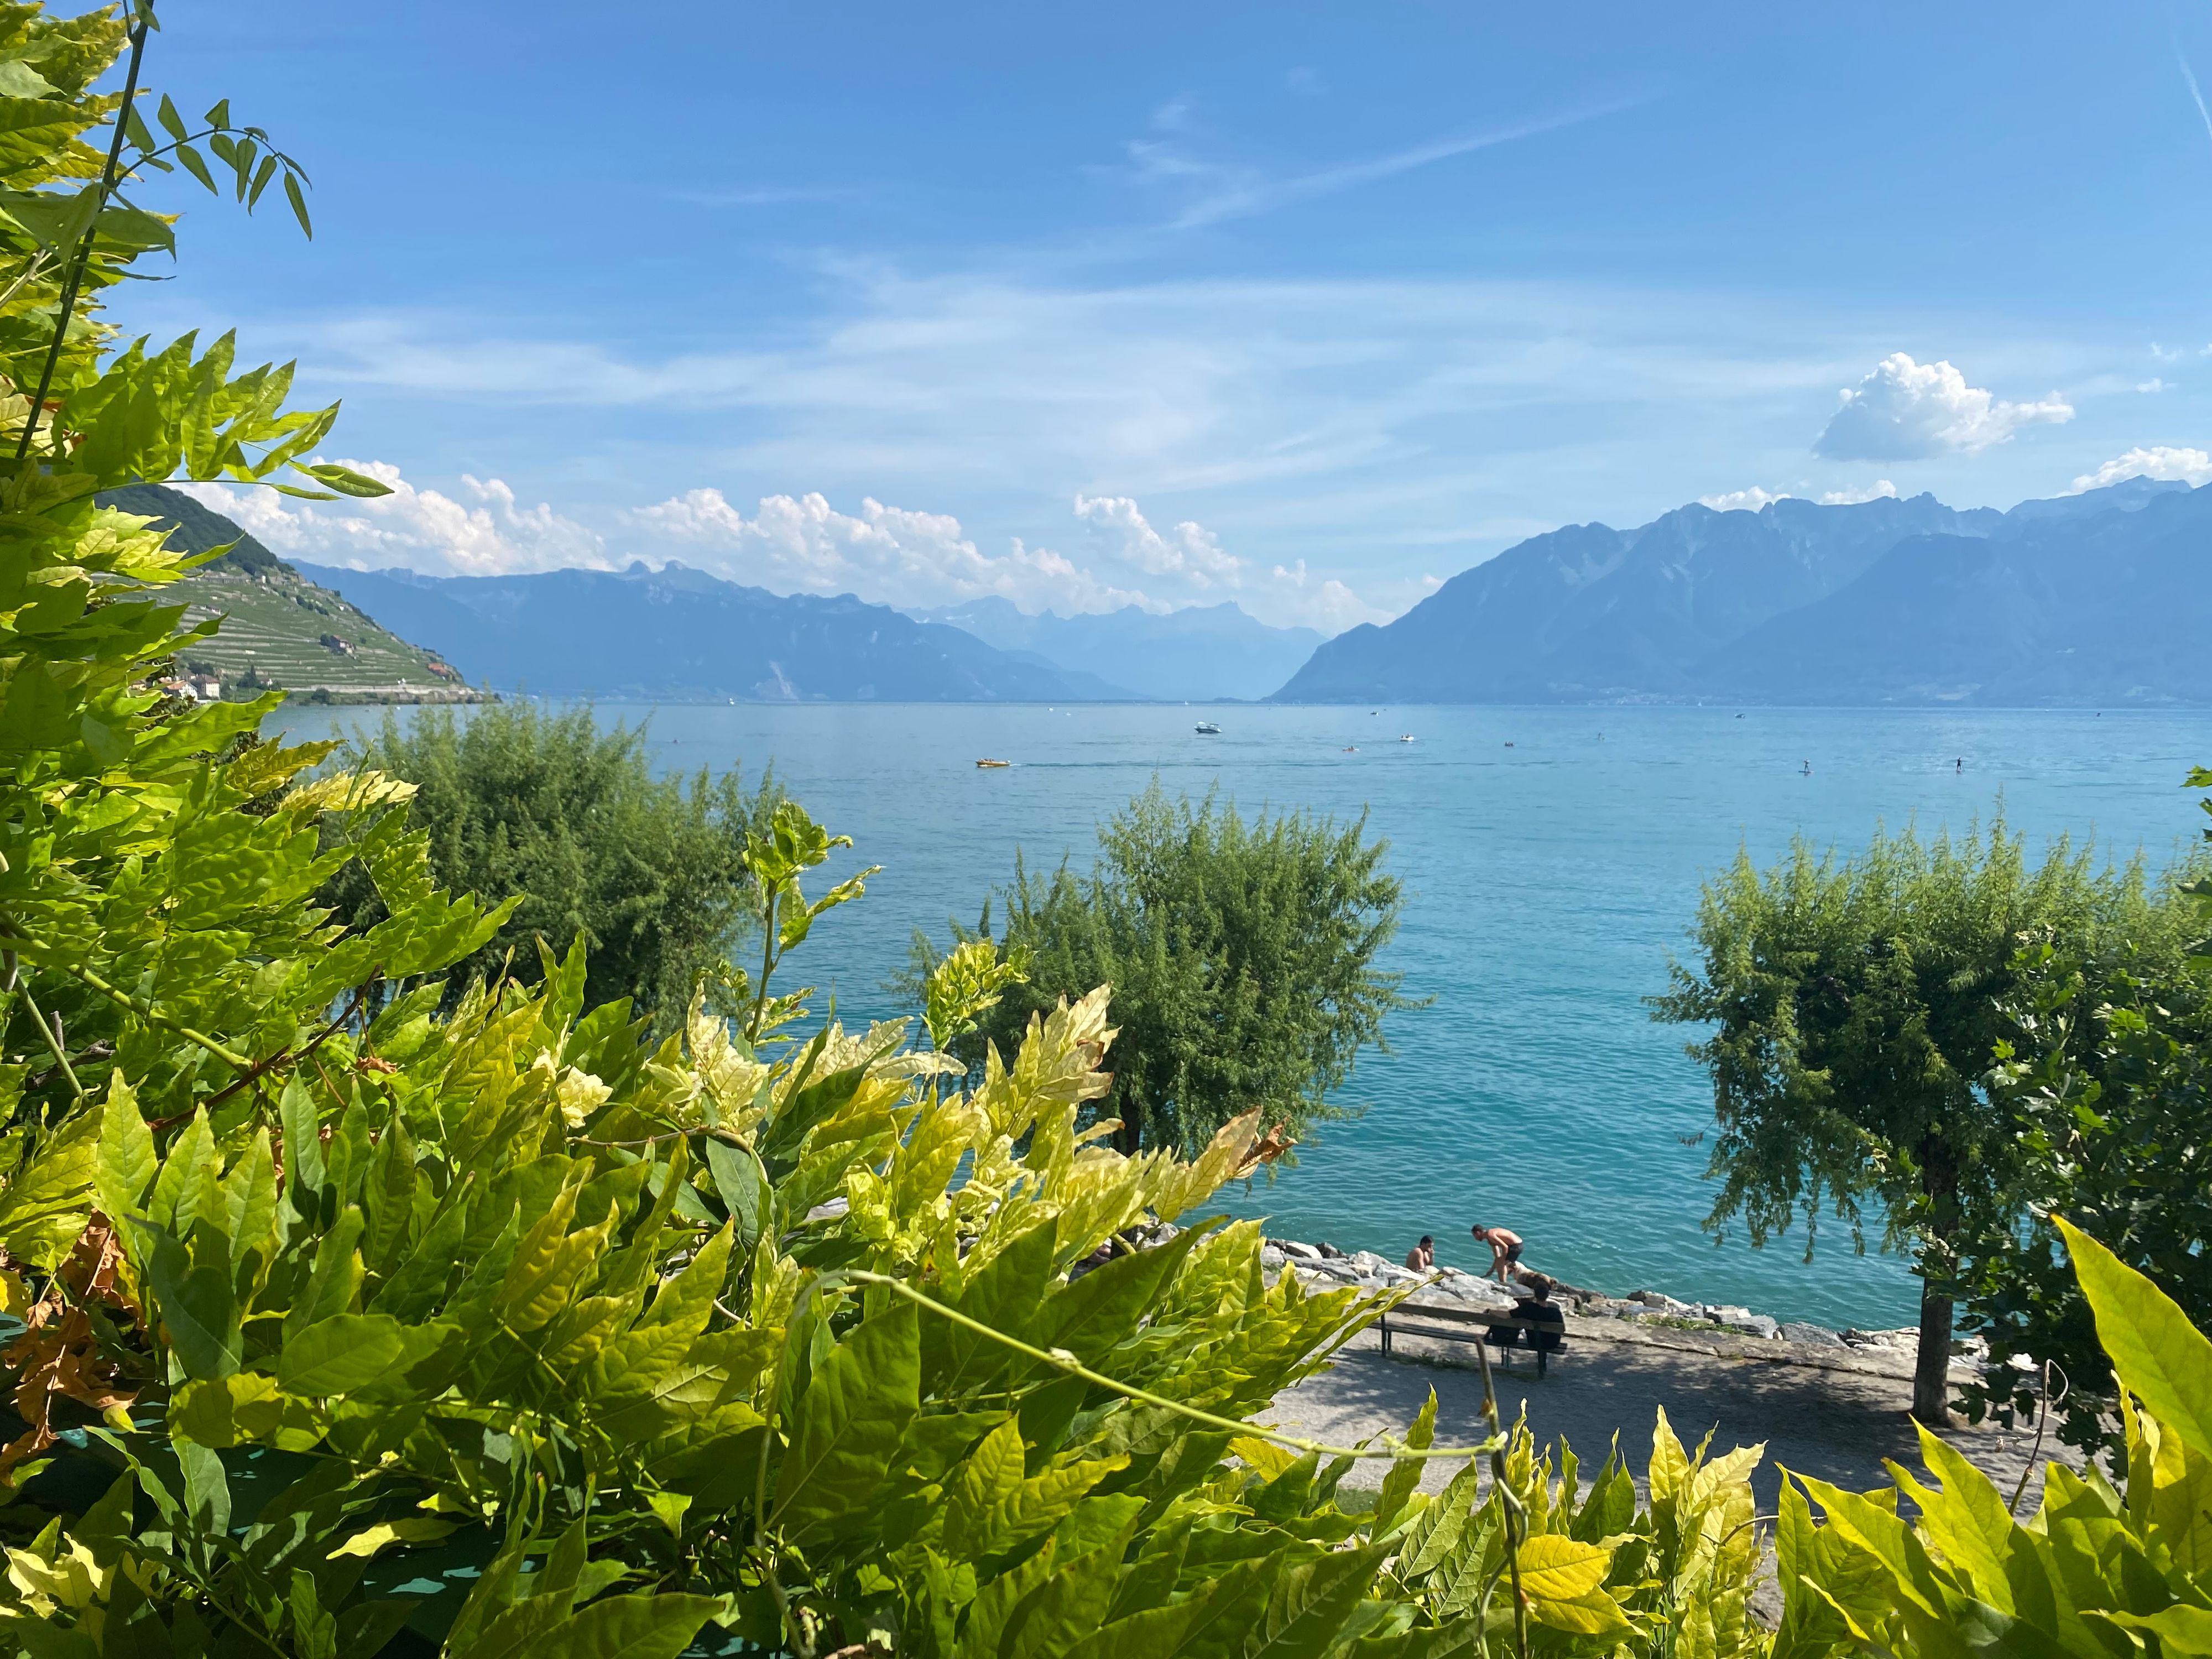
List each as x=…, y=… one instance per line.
x=1552, y=857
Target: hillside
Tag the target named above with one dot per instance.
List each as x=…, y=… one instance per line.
x=677, y=634
x=280, y=629
x=1197, y=655
x=2083, y=601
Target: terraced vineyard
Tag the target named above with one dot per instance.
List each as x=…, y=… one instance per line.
x=280, y=629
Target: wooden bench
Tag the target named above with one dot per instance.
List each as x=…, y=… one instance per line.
x=1498, y=1329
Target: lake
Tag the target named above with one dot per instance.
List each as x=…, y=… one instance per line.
x=1552, y=857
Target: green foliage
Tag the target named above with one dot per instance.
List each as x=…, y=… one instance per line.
x=358, y=1320
x=2099, y=1569
x=566, y=821
x=2108, y=1103
x=1858, y=1006
x=1241, y=954
x=1601, y=1575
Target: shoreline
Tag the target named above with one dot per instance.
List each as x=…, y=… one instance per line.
x=1650, y=1318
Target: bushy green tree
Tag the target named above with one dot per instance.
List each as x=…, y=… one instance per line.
x=1243, y=955
x=1857, y=1007
x=2105, y=1083
x=566, y=818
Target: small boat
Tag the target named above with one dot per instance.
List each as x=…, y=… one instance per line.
x=988, y=763
x=1208, y=729
x=1349, y=750
x=1509, y=744
x=1405, y=736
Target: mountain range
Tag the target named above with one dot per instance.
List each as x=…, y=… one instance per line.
x=1200, y=654
x=678, y=633
x=2089, y=599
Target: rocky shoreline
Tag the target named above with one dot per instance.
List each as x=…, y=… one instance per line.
x=1326, y=1266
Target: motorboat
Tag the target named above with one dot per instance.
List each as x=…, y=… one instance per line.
x=1405, y=736
x=1208, y=729
x=988, y=762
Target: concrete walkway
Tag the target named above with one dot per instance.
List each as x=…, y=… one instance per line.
x=1832, y=1414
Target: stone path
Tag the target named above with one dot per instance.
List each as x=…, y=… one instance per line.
x=1832, y=1414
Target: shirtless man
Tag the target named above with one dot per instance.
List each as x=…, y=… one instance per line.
x=1422, y=1258
x=1504, y=1249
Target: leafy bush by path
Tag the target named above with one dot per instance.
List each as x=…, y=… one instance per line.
x=567, y=819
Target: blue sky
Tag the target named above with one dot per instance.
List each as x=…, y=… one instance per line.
x=1304, y=306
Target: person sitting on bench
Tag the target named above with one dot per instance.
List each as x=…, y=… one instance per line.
x=1541, y=1323
x=1541, y=1311
x=1504, y=1249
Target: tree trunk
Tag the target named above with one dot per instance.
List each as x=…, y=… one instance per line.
x=1931, y=1370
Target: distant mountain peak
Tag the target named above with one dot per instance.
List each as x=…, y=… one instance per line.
x=2091, y=598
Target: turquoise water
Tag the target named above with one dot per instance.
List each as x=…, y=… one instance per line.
x=1549, y=882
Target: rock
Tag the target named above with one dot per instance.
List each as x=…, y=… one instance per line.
x=1725, y=1313
x=1367, y=1261
x=1271, y=1258
x=1817, y=1336
x=1330, y=1253
x=1758, y=1325
x=1296, y=1251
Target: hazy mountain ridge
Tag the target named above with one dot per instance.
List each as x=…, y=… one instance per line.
x=678, y=633
x=1197, y=655
x=2081, y=599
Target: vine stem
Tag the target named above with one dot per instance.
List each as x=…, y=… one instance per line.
x=2042, y=1418
x=229, y=1057
x=53, y=1040
x=1516, y=1523
x=76, y=279
x=1060, y=1359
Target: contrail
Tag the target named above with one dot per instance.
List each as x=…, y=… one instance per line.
x=2188, y=76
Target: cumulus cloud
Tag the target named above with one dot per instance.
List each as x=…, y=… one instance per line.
x=1852, y=497
x=1319, y=602
x=1742, y=501
x=2162, y=461
x=1904, y=410
x=1189, y=551
x=790, y=544
x=2154, y=384
x=490, y=534
x=889, y=554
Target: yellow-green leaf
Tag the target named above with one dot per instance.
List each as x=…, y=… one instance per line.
x=408, y=1530
x=1556, y=1568
x=2160, y=1356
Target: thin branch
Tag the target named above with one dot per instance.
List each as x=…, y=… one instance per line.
x=1060, y=1359
x=146, y=1011
x=1516, y=1522
x=53, y=1040
x=76, y=281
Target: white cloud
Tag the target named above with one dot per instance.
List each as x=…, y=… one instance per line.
x=1189, y=551
x=1319, y=602
x=1242, y=194
x=887, y=555
x=1908, y=411
x=2154, y=384
x=1743, y=500
x=420, y=529
x=1851, y=497
x=2166, y=354
x=2189, y=466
